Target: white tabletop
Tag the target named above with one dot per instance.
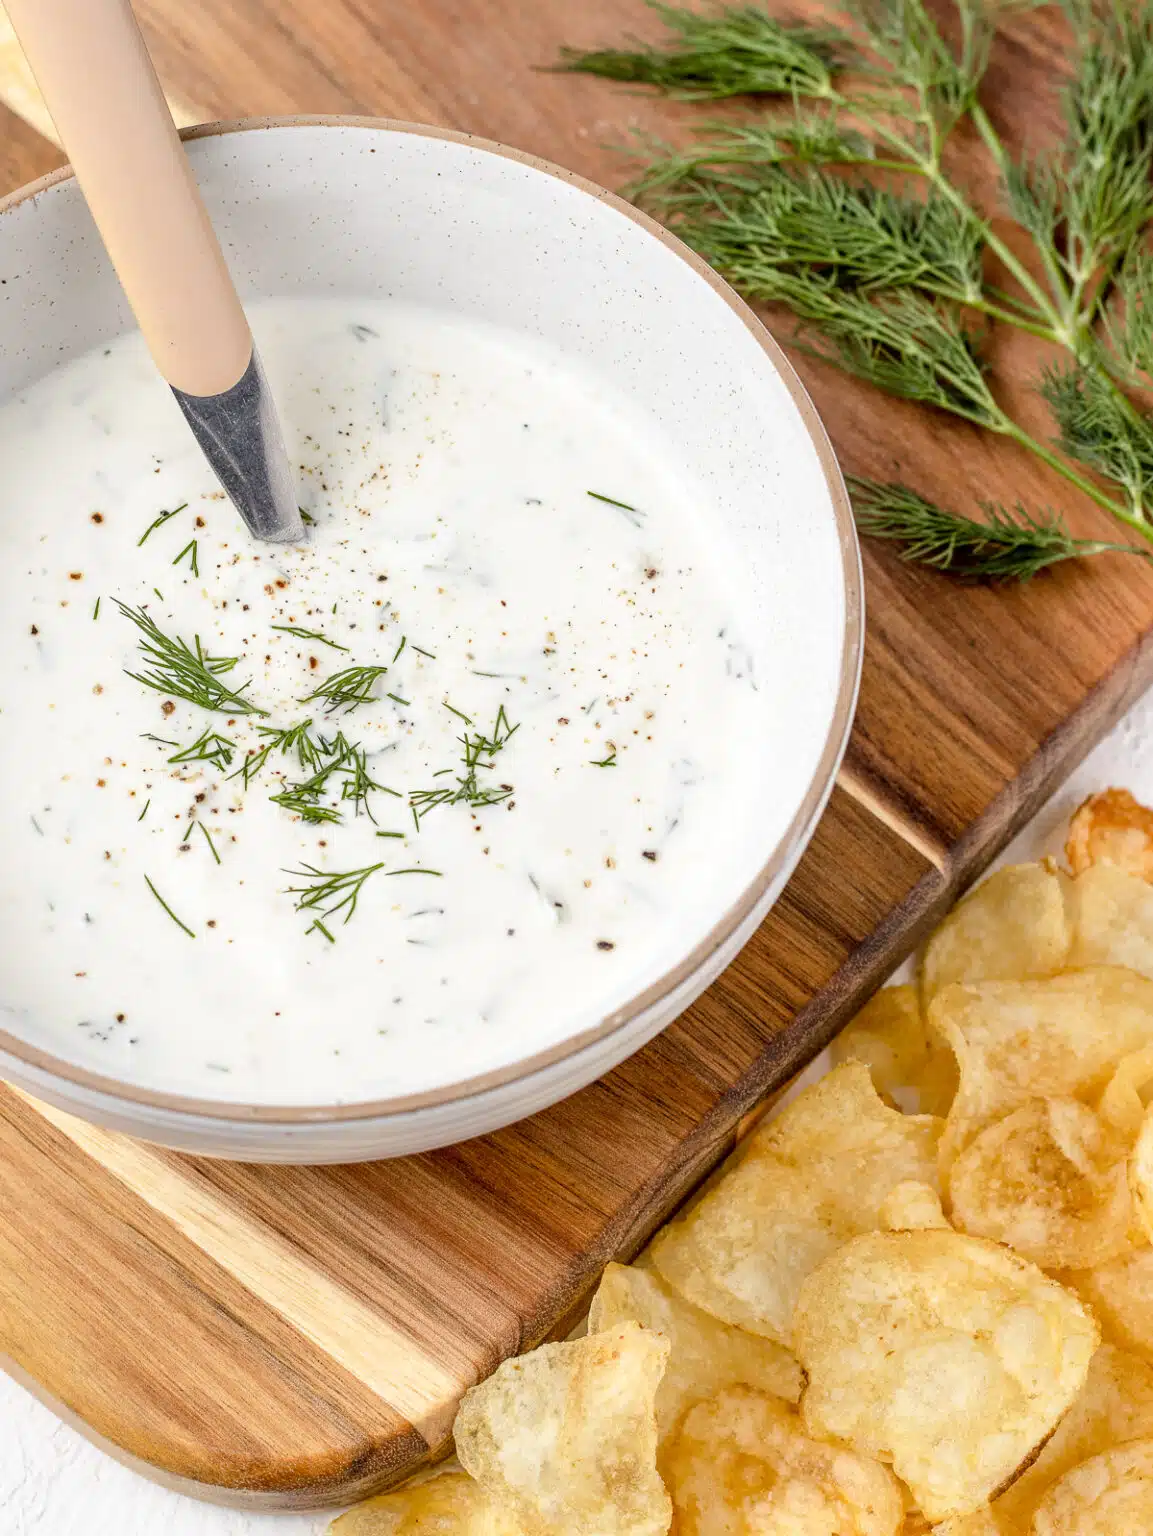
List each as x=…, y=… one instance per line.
x=53, y=1483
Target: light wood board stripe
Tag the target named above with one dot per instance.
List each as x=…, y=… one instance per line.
x=20, y=93
x=896, y=820
x=388, y=1362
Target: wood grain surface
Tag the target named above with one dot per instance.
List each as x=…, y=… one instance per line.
x=293, y=1337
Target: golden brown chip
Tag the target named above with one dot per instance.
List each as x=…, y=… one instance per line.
x=567, y=1435
x=889, y=1036
x=1114, y=1405
x=801, y=1185
x=1012, y=927
x=1122, y=1102
x=449, y=1505
x=910, y=1206
x=706, y=1355
x=1056, y=1038
x=1050, y=1181
x=1108, y=1495
x=945, y=1355
x=982, y=1522
x=1121, y=1296
x=742, y=1465
x=1111, y=828
x=1111, y=913
x=1141, y=1174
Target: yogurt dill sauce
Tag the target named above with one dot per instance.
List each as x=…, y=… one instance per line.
x=522, y=817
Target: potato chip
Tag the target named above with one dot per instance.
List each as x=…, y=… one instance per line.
x=1121, y=1296
x=1111, y=828
x=1108, y=1495
x=910, y=1206
x=945, y=1355
x=448, y=1505
x=801, y=1185
x=742, y=1465
x=1050, y=1181
x=1111, y=914
x=706, y=1355
x=1114, y=1405
x=567, y=1435
x=917, y=1073
x=982, y=1522
x=1012, y=927
x=1019, y=1040
x=1141, y=1174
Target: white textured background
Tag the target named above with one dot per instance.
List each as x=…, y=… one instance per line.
x=53, y=1483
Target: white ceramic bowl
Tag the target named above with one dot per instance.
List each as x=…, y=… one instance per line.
x=375, y=208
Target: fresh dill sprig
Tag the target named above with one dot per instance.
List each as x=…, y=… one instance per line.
x=208, y=840
x=144, y=812
x=168, y=909
x=633, y=514
x=347, y=690
x=429, y=654
x=192, y=550
x=292, y=738
x=328, y=894
x=1101, y=427
x=210, y=747
x=186, y=671
x=1006, y=546
x=159, y=522
x=608, y=761
x=309, y=634
x=478, y=752
x=737, y=52
x=96, y=611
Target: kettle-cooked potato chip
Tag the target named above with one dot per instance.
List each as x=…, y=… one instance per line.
x=1013, y=926
x=1049, y=1181
x=706, y=1355
x=742, y=1465
x=982, y=1522
x=1056, y=1038
x=910, y=1206
x=1111, y=914
x=1121, y=1296
x=801, y=1185
x=567, y=1435
x=907, y=1066
x=1114, y=1405
x=945, y=1355
x=448, y=1505
x=1122, y=1103
x=1108, y=1495
x=1111, y=828
x=1141, y=1174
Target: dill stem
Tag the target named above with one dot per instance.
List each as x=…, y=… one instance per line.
x=1018, y=435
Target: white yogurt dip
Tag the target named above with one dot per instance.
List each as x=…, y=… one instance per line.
x=149, y=907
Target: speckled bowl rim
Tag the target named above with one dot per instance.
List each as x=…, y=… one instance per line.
x=789, y=847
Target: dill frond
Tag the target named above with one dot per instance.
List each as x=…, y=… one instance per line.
x=347, y=690
x=1101, y=428
x=186, y=671
x=1006, y=546
x=328, y=894
x=478, y=752
x=210, y=747
x=738, y=51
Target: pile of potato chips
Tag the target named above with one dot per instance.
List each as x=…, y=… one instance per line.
x=918, y=1299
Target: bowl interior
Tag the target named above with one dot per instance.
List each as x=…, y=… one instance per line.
x=447, y=223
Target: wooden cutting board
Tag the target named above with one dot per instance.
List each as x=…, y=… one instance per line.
x=285, y=1337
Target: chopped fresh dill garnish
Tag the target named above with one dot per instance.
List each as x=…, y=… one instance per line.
x=459, y=713
x=400, y=647
x=392, y=834
x=192, y=549
x=184, y=671
x=634, y=515
x=144, y=812
x=358, y=782
x=306, y=517
x=159, y=593
x=316, y=923
x=168, y=909
x=347, y=690
x=479, y=752
x=208, y=840
x=309, y=634
x=96, y=611
x=396, y=698
x=159, y=522
x=36, y=824
x=293, y=738
x=439, y=873
x=605, y=762
x=429, y=654
x=211, y=747
x=298, y=801
x=329, y=894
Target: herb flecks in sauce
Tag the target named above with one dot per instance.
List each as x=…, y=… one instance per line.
x=347, y=690
x=479, y=752
x=186, y=671
x=309, y=634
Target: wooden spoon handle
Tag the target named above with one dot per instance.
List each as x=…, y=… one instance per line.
x=93, y=69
